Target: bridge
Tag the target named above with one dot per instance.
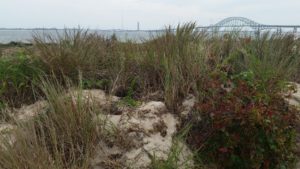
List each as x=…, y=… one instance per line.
x=239, y=23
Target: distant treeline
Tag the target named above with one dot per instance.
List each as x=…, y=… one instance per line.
x=15, y=44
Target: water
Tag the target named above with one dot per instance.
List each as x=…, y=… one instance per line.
x=25, y=35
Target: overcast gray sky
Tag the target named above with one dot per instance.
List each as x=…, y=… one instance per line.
x=152, y=14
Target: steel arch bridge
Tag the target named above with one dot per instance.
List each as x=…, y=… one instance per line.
x=233, y=23
x=237, y=22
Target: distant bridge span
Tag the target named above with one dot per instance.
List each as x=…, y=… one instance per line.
x=241, y=22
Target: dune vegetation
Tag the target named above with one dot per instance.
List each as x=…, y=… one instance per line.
x=240, y=119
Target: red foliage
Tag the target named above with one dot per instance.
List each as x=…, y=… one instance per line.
x=238, y=121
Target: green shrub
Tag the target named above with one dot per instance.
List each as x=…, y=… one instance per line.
x=95, y=84
x=243, y=127
x=18, y=76
x=129, y=99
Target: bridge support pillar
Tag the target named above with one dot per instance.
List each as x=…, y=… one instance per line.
x=279, y=30
x=258, y=32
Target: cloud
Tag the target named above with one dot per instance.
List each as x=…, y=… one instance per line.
x=152, y=14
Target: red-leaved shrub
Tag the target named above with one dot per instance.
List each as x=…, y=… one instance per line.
x=243, y=127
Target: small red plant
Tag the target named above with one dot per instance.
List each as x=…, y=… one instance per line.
x=243, y=128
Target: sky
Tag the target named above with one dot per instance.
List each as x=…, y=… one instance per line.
x=151, y=14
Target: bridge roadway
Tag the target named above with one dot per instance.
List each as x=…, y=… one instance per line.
x=241, y=22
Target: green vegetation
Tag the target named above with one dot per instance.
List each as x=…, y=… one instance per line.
x=173, y=159
x=18, y=75
x=238, y=84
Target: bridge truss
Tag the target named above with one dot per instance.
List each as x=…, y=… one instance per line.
x=240, y=23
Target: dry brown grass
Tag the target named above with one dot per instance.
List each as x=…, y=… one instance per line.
x=63, y=137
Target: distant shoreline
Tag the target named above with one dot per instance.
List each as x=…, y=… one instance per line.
x=61, y=29
x=15, y=44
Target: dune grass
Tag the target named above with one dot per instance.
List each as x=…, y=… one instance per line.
x=64, y=136
x=174, y=62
